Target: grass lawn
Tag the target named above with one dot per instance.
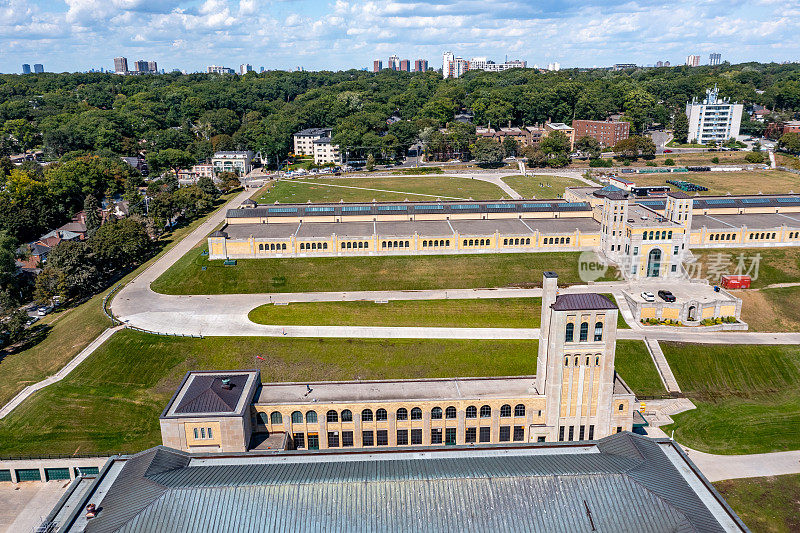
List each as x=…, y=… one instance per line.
x=721, y=183
x=775, y=265
x=467, y=313
x=771, y=309
x=541, y=186
x=112, y=401
x=765, y=504
x=356, y=189
x=72, y=330
x=747, y=397
x=320, y=274
x=634, y=364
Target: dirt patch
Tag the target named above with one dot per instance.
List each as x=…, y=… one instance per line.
x=767, y=310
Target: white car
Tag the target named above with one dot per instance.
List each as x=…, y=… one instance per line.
x=648, y=296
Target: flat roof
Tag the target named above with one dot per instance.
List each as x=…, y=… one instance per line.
x=751, y=220
x=381, y=391
x=624, y=482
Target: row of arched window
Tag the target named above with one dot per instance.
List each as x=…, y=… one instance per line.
x=313, y=246
x=396, y=244
x=477, y=242
x=434, y=243
x=556, y=240
x=515, y=242
x=577, y=360
x=272, y=247
x=380, y=415
x=349, y=245
x=569, y=334
x=722, y=237
x=657, y=235
x=792, y=235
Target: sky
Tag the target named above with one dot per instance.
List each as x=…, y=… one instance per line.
x=78, y=35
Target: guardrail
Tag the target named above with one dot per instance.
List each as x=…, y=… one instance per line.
x=163, y=334
x=117, y=321
x=114, y=320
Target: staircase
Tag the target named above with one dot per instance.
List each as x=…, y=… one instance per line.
x=664, y=371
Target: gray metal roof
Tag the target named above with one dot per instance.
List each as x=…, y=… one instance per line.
x=579, y=302
x=206, y=394
x=621, y=483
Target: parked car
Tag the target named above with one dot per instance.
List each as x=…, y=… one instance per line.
x=648, y=296
x=667, y=296
x=667, y=151
x=42, y=311
x=31, y=321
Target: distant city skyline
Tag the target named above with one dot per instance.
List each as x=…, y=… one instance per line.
x=81, y=35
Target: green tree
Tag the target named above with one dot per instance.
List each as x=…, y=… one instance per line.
x=589, y=146
x=680, y=127
x=487, y=151
x=72, y=266
x=510, y=146
x=120, y=244
x=206, y=185
x=191, y=201
x=646, y=147
x=228, y=180
x=20, y=134
x=12, y=329
x=638, y=106
x=790, y=142
x=370, y=163
x=92, y=211
x=755, y=158
x=627, y=148
x=169, y=159
x=555, y=145
x=8, y=268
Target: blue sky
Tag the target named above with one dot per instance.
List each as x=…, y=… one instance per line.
x=317, y=34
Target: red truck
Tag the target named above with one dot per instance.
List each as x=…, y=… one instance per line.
x=735, y=282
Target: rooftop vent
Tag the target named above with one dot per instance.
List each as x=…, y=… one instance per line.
x=226, y=383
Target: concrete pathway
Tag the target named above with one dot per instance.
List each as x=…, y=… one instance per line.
x=719, y=467
x=61, y=374
x=664, y=371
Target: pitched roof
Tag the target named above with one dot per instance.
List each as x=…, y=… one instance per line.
x=621, y=483
x=580, y=302
x=206, y=394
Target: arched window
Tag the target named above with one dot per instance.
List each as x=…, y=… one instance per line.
x=324, y=245
x=344, y=245
x=381, y=415
x=516, y=241
x=261, y=247
x=402, y=414
x=486, y=411
x=297, y=417
x=570, y=333
x=597, y=360
x=472, y=412
x=302, y=246
x=505, y=242
x=465, y=242
x=450, y=412
x=519, y=410
x=505, y=411
x=272, y=246
x=313, y=246
x=436, y=413
x=311, y=417
x=262, y=418
x=424, y=244
x=447, y=242
x=669, y=235
x=283, y=246
x=276, y=418
x=584, y=331
x=347, y=415
x=349, y=245
x=471, y=242
x=621, y=407
x=577, y=361
x=366, y=415
x=527, y=241
x=416, y=413
x=598, y=331
x=332, y=416
x=566, y=361
x=567, y=240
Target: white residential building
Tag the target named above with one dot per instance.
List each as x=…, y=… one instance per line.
x=452, y=66
x=240, y=162
x=481, y=63
x=713, y=119
x=245, y=68
x=217, y=69
x=326, y=152
x=304, y=139
x=693, y=61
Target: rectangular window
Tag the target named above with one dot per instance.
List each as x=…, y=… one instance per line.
x=505, y=433
x=202, y=433
x=210, y=434
x=675, y=251
x=469, y=436
x=416, y=436
x=540, y=439
x=382, y=437
x=619, y=429
x=299, y=440
x=674, y=268
x=561, y=433
x=402, y=437
x=519, y=433
x=367, y=438
x=347, y=439
x=571, y=433
x=580, y=432
x=436, y=436
x=450, y=436
x=486, y=434
x=333, y=439
x=195, y=434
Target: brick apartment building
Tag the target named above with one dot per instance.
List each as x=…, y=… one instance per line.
x=607, y=132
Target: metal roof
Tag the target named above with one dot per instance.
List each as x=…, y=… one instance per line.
x=206, y=394
x=580, y=302
x=621, y=483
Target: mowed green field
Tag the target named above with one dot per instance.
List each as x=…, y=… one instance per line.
x=541, y=187
x=775, y=265
x=634, y=364
x=765, y=504
x=367, y=189
x=112, y=401
x=449, y=313
x=320, y=274
x=747, y=397
x=721, y=183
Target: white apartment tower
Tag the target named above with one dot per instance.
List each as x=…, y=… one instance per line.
x=713, y=119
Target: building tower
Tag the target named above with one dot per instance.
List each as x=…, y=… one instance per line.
x=121, y=65
x=38, y=68
x=377, y=65
x=447, y=64
x=26, y=68
x=394, y=62
x=575, y=366
x=612, y=221
x=714, y=59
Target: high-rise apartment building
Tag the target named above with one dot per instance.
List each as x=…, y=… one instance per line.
x=26, y=68
x=693, y=61
x=152, y=67
x=713, y=119
x=714, y=59
x=121, y=65
x=394, y=62
x=405, y=65
x=421, y=65
x=245, y=68
x=453, y=67
x=38, y=68
x=377, y=65
x=217, y=69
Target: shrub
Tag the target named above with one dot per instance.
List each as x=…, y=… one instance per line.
x=754, y=157
x=715, y=160
x=669, y=162
x=603, y=163
x=651, y=164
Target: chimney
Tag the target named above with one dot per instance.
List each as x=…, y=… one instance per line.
x=549, y=292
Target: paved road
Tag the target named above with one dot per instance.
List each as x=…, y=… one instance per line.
x=719, y=467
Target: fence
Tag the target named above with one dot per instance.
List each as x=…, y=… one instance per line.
x=114, y=320
x=117, y=321
x=163, y=334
